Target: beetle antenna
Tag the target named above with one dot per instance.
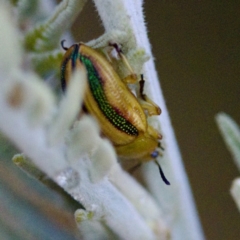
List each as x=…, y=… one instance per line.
x=62, y=45
x=162, y=174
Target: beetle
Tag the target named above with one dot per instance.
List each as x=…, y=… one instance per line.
x=121, y=115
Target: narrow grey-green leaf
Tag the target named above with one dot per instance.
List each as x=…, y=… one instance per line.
x=231, y=135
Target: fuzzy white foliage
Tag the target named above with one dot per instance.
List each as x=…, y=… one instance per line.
x=105, y=152
x=60, y=20
x=69, y=107
x=93, y=229
x=10, y=54
x=86, y=127
x=30, y=88
x=235, y=192
x=145, y=205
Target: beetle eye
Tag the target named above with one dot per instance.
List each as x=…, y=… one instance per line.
x=154, y=154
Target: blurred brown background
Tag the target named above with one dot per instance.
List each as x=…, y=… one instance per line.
x=196, y=45
x=197, y=49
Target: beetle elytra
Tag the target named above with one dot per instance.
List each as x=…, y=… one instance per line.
x=121, y=115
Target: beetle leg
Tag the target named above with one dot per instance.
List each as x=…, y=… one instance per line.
x=102, y=41
x=154, y=133
x=130, y=79
x=147, y=104
x=151, y=108
x=118, y=49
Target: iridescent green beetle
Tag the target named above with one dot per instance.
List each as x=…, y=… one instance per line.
x=119, y=113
